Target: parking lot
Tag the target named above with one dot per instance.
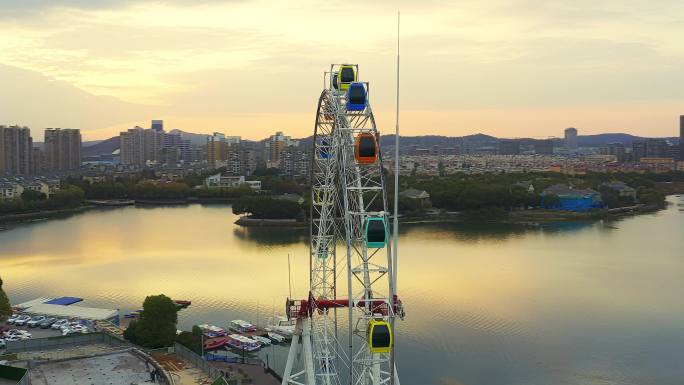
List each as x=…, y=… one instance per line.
x=35, y=332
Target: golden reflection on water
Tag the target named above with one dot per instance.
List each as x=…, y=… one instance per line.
x=490, y=290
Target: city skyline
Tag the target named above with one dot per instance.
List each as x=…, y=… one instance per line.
x=508, y=69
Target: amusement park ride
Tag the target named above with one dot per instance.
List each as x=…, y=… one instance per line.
x=349, y=233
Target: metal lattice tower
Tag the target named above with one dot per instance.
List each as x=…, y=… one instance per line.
x=344, y=194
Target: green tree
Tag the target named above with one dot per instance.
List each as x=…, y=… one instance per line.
x=551, y=201
x=157, y=325
x=32, y=196
x=5, y=308
x=130, y=332
x=191, y=340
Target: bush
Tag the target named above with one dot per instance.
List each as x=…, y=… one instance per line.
x=5, y=307
x=191, y=340
x=150, y=190
x=267, y=208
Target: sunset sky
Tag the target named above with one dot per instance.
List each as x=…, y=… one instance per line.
x=510, y=68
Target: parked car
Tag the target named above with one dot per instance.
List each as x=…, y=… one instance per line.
x=47, y=323
x=74, y=328
x=59, y=323
x=12, y=338
x=18, y=332
x=36, y=321
x=2, y=344
x=12, y=318
x=22, y=320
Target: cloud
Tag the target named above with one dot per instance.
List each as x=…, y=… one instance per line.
x=221, y=59
x=29, y=98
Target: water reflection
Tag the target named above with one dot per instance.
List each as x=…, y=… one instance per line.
x=568, y=303
x=271, y=236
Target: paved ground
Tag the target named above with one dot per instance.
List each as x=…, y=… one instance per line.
x=182, y=372
x=66, y=352
x=37, y=332
x=243, y=371
x=121, y=368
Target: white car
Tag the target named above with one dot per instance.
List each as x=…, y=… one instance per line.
x=22, y=320
x=17, y=337
x=35, y=321
x=18, y=333
x=12, y=318
x=58, y=325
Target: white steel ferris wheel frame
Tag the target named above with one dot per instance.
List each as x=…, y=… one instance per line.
x=344, y=194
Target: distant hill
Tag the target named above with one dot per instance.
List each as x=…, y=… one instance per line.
x=603, y=139
x=438, y=140
x=108, y=146
x=83, y=144
x=196, y=139
x=102, y=147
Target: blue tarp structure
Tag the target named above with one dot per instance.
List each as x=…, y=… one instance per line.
x=64, y=301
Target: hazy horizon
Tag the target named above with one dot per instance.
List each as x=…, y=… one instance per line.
x=507, y=68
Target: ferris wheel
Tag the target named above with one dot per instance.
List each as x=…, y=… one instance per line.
x=346, y=336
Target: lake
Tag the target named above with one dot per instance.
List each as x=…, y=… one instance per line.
x=486, y=304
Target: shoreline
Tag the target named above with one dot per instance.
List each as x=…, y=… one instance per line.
x=524, y=217
x=43, y=214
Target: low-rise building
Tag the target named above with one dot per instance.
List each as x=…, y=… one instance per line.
x=622, y=189
x=572, y=199
x=254, y=184
x=10, y=190
x=224, y=181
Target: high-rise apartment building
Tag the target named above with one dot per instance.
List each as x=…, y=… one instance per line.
x=62, y=149
x=219, y=145
x=509, y=147
x=543, y=146
x=652, y=148
x=139, y=146
x=618, y=150
x=295, y=161
x=274, y=146
x=571, y=139
x=157, y=125
x=16, y=150
x=176, y=142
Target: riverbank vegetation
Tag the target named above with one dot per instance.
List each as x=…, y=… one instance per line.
x=522, y=191
x=491, y=196
x=67, y=197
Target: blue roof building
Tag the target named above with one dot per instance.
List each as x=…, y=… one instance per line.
x=572, y=199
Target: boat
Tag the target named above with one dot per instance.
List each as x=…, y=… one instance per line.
x=240, y=342
x=275, y=337
x=282, y=326
x=212, y=331
x=262, y=340
x=241, y=326
x=181, y=303
x=215, y=343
